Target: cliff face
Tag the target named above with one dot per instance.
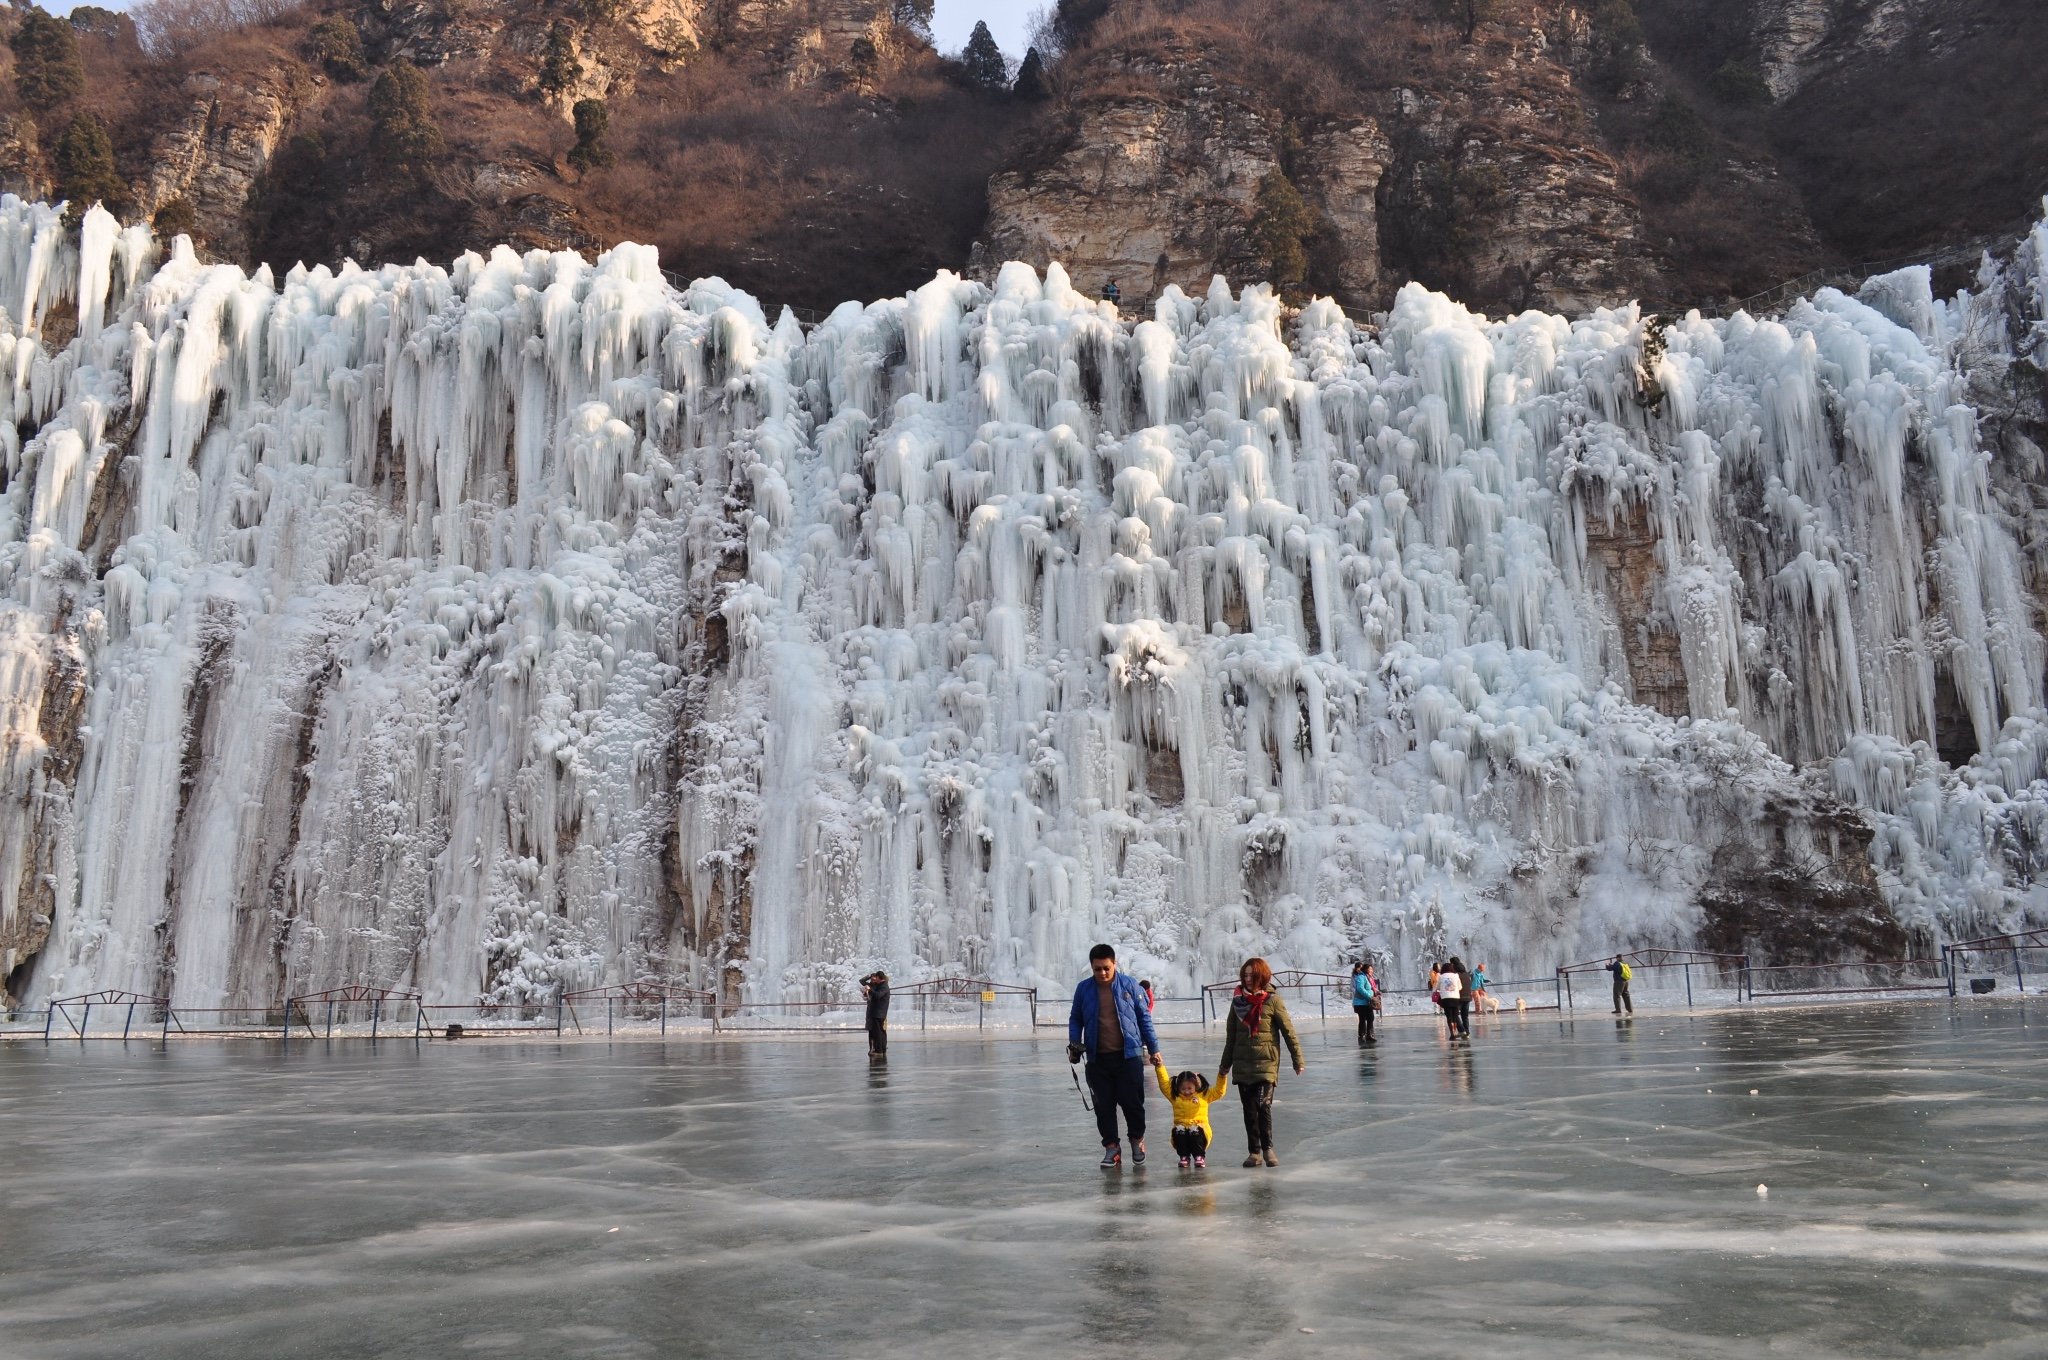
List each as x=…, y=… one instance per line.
x=1482, y=173
x=213, y=155
x=1903, y=123
x=1151, y=182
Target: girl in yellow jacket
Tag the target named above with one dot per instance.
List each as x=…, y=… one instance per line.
x=1191, y=1095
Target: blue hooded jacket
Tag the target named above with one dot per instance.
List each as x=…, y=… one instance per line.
x=1133, y=1019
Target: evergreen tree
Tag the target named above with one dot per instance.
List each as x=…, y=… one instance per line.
x=1740, y=82
x=47, y=71
x=1280, y=219
x=915, y=15
x=403, y=135
x=1470, y=14
x=1031, y=77
x=337, y=46
x=85, y=168
x=863, y=61
x=558, y=65
x=984, y=60
x=593, y=120
x=175, y=218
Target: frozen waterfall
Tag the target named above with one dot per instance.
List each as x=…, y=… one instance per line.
x=530, y=624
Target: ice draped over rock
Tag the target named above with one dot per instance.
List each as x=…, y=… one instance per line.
x=531, y=624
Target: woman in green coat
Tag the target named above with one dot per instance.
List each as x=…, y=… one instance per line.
x=1252, y=1036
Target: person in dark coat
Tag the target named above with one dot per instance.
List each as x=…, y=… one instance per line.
x=1622, y=972
x=874, y=989
x=1111, y=1026
x=1253, y=1033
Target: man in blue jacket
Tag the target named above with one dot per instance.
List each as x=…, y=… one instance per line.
x=1111, y=1026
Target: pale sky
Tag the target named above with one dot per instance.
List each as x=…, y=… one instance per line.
x=952, y=20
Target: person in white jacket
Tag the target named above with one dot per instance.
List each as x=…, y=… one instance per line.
x=1450, y=991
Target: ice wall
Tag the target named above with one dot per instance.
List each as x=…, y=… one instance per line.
x=528, y=623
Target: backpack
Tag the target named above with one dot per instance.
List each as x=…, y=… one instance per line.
x=1627, y=972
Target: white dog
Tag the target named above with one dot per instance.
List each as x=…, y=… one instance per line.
x=1521, y=1003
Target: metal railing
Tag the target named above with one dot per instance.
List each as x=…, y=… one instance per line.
x=2025, y=953
x=1829, y=979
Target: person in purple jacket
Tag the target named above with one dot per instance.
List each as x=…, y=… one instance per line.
x=1111, y=1026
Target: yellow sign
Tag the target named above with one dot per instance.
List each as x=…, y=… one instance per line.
x=988, y=998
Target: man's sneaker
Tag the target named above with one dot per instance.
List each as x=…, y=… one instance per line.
x=1138, y=1153
x=1112, y=1156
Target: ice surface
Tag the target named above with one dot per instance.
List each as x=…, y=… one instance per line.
x=528, y=624
x=1559, y=1189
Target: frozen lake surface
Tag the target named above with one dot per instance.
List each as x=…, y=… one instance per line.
x=1560, y=1188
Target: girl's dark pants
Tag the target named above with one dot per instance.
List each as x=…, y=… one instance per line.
x=1364, y=1021
x=1117, y=1083
x=1190, y=1143
x=1258, y=1114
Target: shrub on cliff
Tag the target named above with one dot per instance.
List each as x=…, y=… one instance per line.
x=47, y=70
x=1739, y=83
x=336, y=46
x=592, y=122
x=559, y=68
x=85, y=168
x=403, y=135
x=1281, y=222
x=1468, y=15
x=176, y=218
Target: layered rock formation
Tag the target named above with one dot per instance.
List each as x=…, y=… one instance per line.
x=1486, y=178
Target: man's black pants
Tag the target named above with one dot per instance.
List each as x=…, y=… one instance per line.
x=1117, y=1083
x=878, y=1034
x=1621, y=998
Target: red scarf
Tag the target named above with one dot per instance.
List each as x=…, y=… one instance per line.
x=1251, y=1006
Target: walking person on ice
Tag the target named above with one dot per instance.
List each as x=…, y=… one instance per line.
x=1450, y=990
x=874, y=989
x=1365, y=998
x=1622, y=973
x=1252, y=1035
x=1111, y=1026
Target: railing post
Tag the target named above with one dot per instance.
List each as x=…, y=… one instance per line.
x=287, y=1022
x=2019, y=979
x=664, y=1015
x=1948, y=968
x=607, y=1017
x=330, y=1017
x=49, y=1015
x=376, y=1014
x=85, y=1022
x=558, y=1017
x=1688, y=984
x=167, y=1022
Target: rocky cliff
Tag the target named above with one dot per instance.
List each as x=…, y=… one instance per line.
x=1559, y=152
